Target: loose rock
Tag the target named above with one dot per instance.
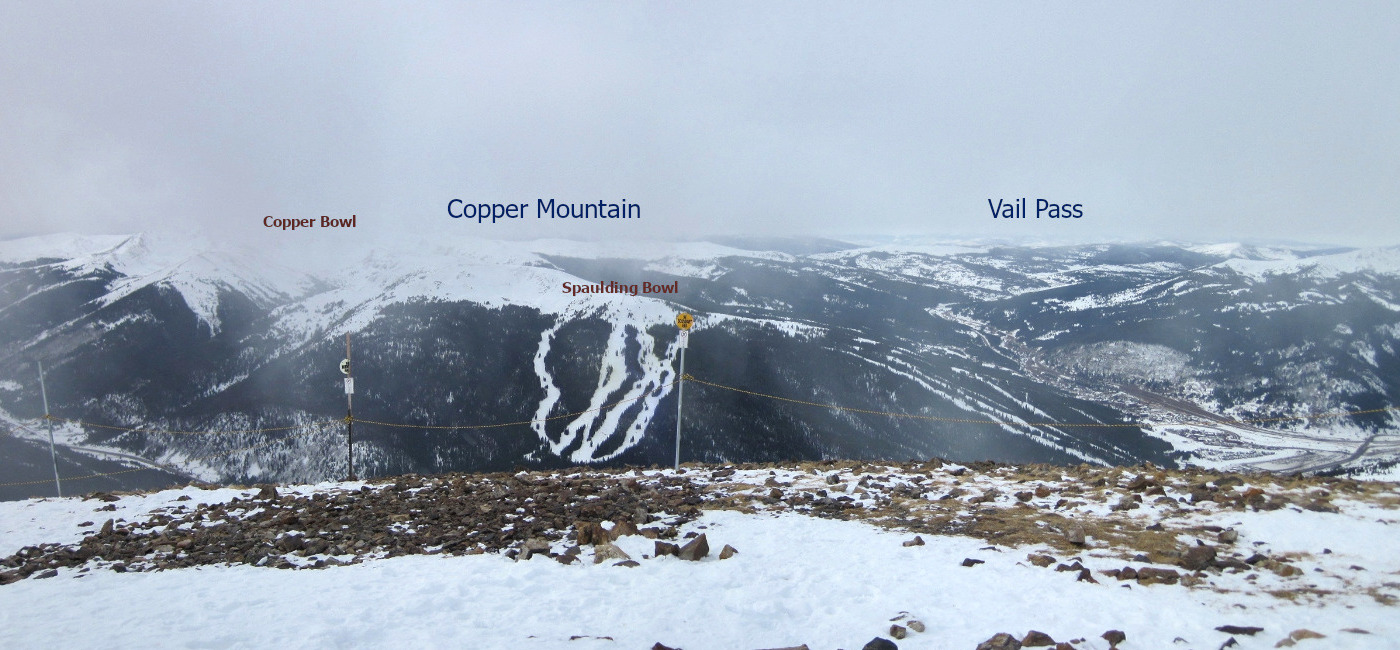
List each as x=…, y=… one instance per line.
x=1074, y=534
x=694, y=549
x=1000, y=641
x=606, y=551
x=1240, y=629
x=1198, y=557
x=878, y=643
x=591, y=532
x=622, y=529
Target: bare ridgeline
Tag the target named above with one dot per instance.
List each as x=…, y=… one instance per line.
x=1094, y=524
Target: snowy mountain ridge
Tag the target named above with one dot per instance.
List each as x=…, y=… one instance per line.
x=193, y=268
x=999, y=352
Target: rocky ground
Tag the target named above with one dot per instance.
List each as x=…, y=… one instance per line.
x=1136, y=526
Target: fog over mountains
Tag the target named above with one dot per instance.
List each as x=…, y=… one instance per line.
x=1012, y=353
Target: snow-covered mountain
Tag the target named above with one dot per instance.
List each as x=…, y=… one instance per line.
x=1001, y=352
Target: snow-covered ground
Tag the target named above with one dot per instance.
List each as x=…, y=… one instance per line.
x=797, y=579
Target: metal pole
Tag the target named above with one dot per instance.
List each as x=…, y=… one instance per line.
x=53, y=455
x=680, y=397
x=349, y=416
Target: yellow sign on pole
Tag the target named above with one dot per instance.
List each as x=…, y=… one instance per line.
x=683, y=321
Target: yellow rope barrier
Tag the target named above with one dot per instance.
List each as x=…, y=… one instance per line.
x=520, y=422
x=168, y=468
x=836, y=407
x=170, y=432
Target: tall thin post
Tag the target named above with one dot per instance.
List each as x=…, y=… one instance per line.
x=680, y=397
x=53, y=455
x=349, y=411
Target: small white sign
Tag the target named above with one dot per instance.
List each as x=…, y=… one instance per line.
x=349, y=385
x=685, y=338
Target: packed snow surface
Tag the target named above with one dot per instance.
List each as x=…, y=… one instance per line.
x=796, y=579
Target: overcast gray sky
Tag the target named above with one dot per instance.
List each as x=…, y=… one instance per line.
x=1201, y=121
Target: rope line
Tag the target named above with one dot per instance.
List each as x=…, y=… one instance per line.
x=171, y=432
x=836, y=407
x=520, y=422
x=912, y=416
x=163, y=466
x=692, y=378
x=308, y=428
